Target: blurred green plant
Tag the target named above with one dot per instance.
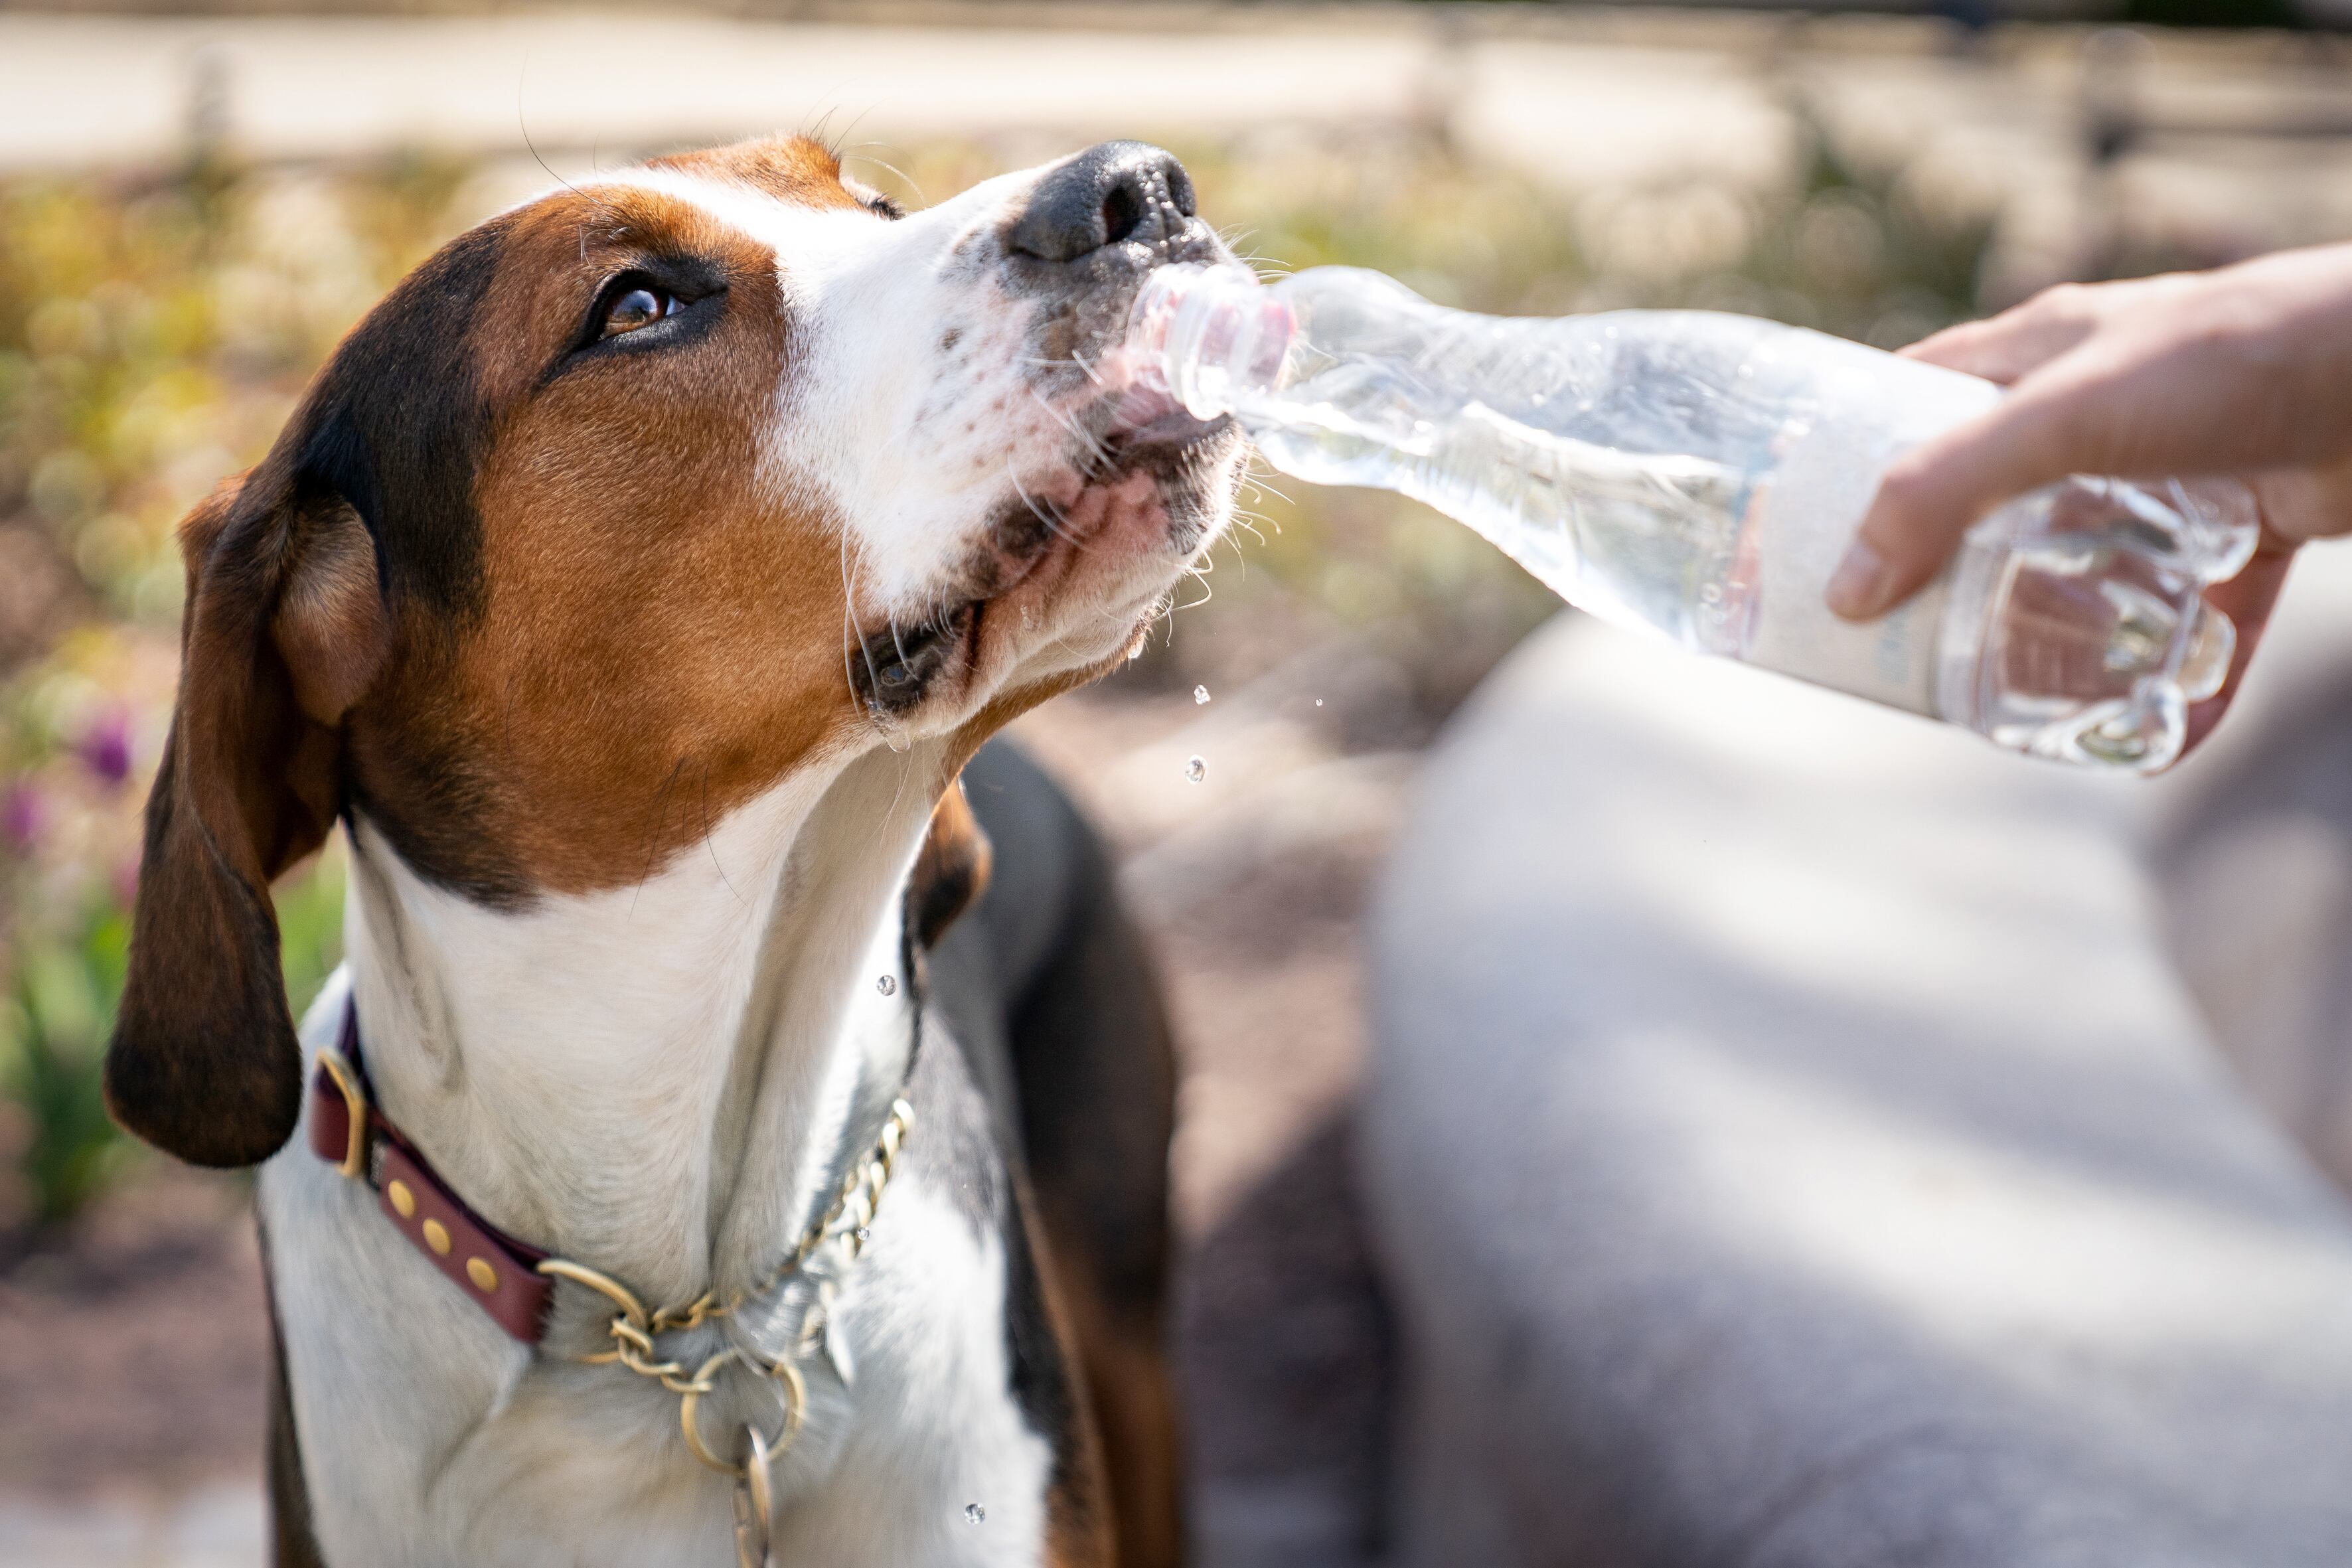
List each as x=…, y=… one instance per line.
x=55, y=1032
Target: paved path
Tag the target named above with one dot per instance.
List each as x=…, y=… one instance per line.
x=82, y=91
x=222, y=1526
x=1584, y=101
x=108, y=89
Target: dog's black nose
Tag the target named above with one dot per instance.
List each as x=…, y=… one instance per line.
x=1119, y=191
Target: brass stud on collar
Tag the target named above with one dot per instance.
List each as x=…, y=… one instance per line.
x=485, y=1278
x=436, y=1237
x=404, y=1202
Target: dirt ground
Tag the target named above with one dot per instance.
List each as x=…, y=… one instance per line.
x=132, y=1365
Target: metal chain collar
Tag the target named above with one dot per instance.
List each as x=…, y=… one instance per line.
x=847, y=1224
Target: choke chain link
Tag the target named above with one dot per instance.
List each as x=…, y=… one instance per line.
x=634, y=1329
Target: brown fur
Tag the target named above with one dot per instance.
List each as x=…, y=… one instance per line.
x=1121, y=1361
x=204, y=1060
x=791, y=168
x=951, y=871
x=614, y=700
x=1081, y=1527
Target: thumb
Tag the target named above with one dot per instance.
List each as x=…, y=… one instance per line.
x=1929, y=495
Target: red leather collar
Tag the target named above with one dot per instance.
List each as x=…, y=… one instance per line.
x=500, y=1274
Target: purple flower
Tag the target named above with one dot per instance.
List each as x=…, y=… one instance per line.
x=23, y=815
x=105, y=747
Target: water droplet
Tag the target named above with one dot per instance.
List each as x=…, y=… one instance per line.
x=1318, y=702
x=887, y=985
x=1200, y=695
x=1196, y=770
x=973, y=1513
x=864, y=1235
x=1711, y=593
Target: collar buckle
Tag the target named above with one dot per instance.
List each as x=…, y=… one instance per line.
x=355, y=1107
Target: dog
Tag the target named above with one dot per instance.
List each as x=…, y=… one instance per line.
x=632, y=587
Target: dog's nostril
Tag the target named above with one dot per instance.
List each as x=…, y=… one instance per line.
x=1110, y=195
x=1179, y=188
x=1122, y=214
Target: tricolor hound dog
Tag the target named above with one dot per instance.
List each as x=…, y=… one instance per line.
x=632, y=586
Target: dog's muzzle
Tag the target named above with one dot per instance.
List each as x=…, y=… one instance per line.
x=1093, y=228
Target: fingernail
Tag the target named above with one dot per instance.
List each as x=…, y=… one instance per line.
x=1862, y=583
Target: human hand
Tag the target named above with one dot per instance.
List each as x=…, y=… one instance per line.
x=2246, y=371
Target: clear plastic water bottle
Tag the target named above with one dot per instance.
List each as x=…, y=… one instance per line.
x=1698, y=475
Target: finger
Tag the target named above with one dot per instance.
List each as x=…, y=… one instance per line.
x=2248, y=600
x=2302, y=504
x=1929, y=496
x=2008, y=345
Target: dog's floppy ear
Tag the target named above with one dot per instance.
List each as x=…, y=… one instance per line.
x=951, y=871
x=285, y=627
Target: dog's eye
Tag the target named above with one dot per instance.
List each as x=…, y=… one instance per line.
x=886, y=208
x=638, y=307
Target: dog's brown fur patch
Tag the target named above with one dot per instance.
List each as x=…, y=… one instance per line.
x=1120, y=1354
x=659, y=639
x=798, y=169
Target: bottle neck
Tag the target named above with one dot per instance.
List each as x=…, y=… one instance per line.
x=1212, y=336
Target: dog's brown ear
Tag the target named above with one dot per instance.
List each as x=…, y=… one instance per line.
x=952, y=873
x=285, y=627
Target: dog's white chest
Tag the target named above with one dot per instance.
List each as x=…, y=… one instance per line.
x=429, y=1438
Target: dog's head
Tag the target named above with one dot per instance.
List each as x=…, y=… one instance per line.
x=619, y=508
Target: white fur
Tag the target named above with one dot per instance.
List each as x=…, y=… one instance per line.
x=654, y=1080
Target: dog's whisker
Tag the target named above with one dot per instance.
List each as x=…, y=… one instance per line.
x=1055, y=524
x=653, y=843
x=1207, y=593
x=864, y=646
x=1257, y=482
x=1091, y=444
x=911, y=185
x=710, y=843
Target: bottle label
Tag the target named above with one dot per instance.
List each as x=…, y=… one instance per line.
x=1807, y=514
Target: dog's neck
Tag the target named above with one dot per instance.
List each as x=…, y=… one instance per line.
x=655, y=1080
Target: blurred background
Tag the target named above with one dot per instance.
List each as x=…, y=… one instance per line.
x=196, y=202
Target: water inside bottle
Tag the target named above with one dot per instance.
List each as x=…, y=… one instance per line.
x=2084, y=656
x=1649, y=543
x=2099, y=640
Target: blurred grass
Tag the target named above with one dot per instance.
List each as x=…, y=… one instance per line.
x=156, y=333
